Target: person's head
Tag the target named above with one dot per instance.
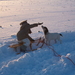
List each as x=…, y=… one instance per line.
x=24, y=23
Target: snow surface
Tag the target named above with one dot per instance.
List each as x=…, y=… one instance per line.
x=58, y=16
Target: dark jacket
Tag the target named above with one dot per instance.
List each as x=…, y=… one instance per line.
x=25, y=30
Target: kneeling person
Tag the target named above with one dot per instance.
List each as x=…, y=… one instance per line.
x=23, y=34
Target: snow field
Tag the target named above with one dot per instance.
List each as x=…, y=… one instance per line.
x=58, y=16
x=42, y=61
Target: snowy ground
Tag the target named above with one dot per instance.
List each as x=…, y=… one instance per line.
x=58, y=16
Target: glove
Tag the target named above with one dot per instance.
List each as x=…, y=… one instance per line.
x=40, y=23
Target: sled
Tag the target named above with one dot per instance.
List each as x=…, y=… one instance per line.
x=16, y=45
x=38, y=43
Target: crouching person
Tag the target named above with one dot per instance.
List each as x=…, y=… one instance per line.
x=23, y=34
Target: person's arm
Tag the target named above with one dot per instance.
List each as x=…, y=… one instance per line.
x=32, y=40
x=35, y=25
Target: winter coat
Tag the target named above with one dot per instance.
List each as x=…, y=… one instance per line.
x=25, y=30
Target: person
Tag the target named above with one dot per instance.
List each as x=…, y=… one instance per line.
x=23, y=34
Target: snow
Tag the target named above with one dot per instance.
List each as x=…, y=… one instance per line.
x=58, y=16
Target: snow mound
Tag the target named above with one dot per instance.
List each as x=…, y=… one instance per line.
x=40, y=62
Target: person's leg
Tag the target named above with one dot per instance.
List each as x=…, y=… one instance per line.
x=18, y=50
x=23, y=48
x=26, y=42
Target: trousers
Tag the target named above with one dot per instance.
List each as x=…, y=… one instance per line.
x=24, y=46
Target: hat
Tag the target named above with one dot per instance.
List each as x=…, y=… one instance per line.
x=23, y=22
